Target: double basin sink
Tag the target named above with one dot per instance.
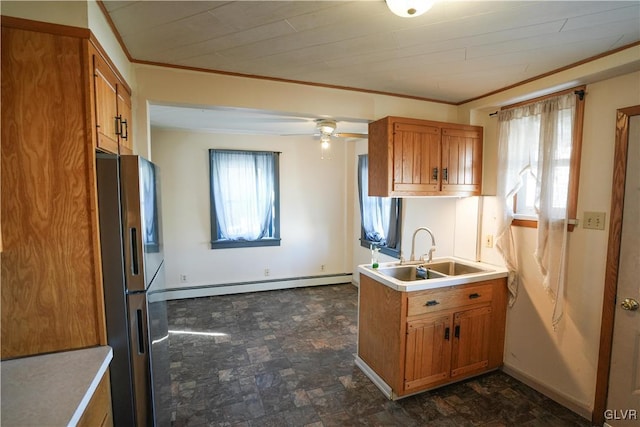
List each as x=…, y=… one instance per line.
x=441, y=272
x=432, y=270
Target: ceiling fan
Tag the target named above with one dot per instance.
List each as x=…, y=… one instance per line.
x=327, y=128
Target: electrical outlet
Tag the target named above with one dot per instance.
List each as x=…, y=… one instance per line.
x=266, y=272
x=183, y=278
x=488, y=240
x=323, y=267
x=594, y=220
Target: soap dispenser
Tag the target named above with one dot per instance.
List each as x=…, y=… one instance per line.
x=375, y=252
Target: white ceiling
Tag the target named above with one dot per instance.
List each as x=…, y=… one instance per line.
x=457, y=51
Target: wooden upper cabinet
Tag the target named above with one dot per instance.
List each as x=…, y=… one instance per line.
x=124, y=117
x=112, y=109
x=461, y=161
x=411, y=157
x=106, y=105
x=416, y=158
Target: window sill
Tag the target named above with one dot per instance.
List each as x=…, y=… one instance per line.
x=525, y=222
x=533, y=223
x=395, y=253
x=229, y=244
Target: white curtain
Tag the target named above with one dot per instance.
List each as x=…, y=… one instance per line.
x=378, y=214
x=536, y=139
x=243, y=191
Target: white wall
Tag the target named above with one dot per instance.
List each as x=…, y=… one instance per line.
x=563, y=362
x=313, y=197
x=73, y=13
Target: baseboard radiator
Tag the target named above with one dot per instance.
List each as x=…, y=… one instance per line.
x=244, y=287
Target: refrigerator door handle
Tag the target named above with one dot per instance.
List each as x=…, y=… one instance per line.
x=133, y=241
x=140, y=323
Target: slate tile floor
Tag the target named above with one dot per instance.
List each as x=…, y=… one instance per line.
x=286, y=358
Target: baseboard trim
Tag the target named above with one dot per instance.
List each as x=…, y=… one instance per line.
x=256, y=286
x=561, y=398
x=374, y=377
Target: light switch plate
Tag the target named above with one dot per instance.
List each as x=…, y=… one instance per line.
x=488, y=240
x=594, y=220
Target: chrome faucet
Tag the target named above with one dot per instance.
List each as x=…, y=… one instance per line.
x=413, y=244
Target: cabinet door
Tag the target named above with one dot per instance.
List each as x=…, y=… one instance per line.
x=471, y=338
x=106, y=104
x=98, y=411
x=124, y=115
x=416, y=159
x=428, y=351
x=461, y=161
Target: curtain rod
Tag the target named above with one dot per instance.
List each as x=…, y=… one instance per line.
x=579, y=92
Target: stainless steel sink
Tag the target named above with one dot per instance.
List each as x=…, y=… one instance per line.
x=409, y=273
x=453, y=268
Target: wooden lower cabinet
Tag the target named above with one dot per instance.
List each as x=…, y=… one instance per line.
x=99, y=412
x=428, y=354
x=431, y=338
x=471, y=340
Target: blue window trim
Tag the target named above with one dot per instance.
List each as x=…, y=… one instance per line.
x=217, y=243
x=393, y=252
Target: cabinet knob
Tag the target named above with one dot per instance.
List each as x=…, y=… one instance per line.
x=432, y=303
x=474, y=295
x=435, y=174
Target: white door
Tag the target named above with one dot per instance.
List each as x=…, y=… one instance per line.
x=623, y=402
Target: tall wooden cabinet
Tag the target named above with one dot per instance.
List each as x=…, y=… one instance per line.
x=52, y=298
x=410, y=157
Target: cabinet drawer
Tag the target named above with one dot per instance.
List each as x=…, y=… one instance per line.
x=442, y=299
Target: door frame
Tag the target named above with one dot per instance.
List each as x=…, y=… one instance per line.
x=613, y=255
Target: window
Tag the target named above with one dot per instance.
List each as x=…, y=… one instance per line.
x=244, y=199
x=556, y=176
x=380, y=217
x=539, y=147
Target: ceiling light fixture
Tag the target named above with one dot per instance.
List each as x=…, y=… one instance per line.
x=409, y=8
x=325, y=147
x=326, y=127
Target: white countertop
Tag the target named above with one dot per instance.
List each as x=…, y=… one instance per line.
x=490, y=272
x=51, y=389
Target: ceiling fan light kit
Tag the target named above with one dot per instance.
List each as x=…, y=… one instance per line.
x=326, y=127
x=409, y=8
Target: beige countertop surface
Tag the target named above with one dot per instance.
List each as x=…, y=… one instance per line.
x=51, y=389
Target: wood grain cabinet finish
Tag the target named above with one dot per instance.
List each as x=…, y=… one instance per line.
x=410, y=157
x=431, y=338
x=112, y=107
x=99, y=411
x=51, y=279
x=52, y=297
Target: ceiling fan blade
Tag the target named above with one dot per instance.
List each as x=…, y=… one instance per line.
x=350, y=135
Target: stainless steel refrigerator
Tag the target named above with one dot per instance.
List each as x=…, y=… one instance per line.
x=133, y=275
